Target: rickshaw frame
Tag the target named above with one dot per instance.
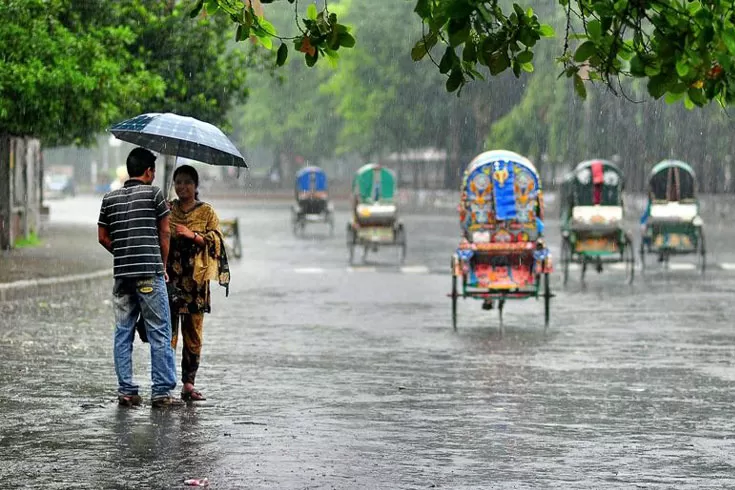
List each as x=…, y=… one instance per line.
x=311, y=199
x=690, y=225
x=610, y=243
x=372, y=237
x=501, y=254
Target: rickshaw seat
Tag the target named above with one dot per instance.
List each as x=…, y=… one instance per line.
x=597, y=215
x=673, y=211
x=376, y=213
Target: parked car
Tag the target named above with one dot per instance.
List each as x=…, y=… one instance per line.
x=58, y=186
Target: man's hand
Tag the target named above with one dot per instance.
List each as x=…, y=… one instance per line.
x=164, y=237
x=104, y=238
x=165, y=276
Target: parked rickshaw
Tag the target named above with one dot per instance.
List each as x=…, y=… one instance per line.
x=312, y=200
x=591, y=205
x=671, y=224
x=502, y=254
x=375, y=222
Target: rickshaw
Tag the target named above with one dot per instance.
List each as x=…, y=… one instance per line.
x=375, y=220
x=591, y=205
x=502, y=254
x=312, y=201
x=671, y=224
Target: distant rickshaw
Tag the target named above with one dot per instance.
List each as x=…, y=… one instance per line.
x=671, y=224
x=591, y=205
x=502, y=254
x=375, y=222
x=312, y=200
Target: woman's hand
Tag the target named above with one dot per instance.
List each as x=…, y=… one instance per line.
x=182, y=230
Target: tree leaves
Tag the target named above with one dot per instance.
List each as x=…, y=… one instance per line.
x=585, y=51
x=579, y=86
x=281, y=54
x=455, y=80
x=546, y=30
x=311, y=11
x=690, y=44
x=197, y=8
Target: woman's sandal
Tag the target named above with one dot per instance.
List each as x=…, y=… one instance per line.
x=192, y=396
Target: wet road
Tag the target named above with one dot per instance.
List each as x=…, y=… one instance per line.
x=324, y=376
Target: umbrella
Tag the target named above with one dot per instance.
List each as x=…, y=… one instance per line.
x=181, y=136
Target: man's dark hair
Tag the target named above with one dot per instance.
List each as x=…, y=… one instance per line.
x=139, y=160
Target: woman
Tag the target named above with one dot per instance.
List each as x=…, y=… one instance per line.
x=197, y=255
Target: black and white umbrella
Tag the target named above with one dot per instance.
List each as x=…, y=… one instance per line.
x=181, y=136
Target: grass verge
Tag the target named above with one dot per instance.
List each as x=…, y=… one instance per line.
x=30, y=241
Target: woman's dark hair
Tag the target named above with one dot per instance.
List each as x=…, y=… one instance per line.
x=191, y=172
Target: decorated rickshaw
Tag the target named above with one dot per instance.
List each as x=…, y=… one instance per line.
x=591, y=205
x=502, y=254
x=312, y=200
x=375, y=222
x=671, y=224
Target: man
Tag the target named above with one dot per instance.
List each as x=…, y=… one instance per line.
x=134, y=226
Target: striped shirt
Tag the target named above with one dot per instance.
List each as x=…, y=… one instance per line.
x=131, y=215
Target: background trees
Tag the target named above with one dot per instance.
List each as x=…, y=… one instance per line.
x=378, y=101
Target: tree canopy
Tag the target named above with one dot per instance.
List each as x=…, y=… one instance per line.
x=378, y=101
x=65, y=72
x=684, y=49
x=70, y=68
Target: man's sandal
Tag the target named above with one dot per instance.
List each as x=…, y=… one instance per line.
x=192, y=396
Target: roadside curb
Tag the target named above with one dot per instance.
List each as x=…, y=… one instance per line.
x=49, y=285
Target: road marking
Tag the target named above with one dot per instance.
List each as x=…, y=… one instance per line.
x=682, y=267
x=573, y=267
x=361, y=269
x=415, y=269
x=309, y=270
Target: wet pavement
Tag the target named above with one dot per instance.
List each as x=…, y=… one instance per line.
x=66, y=248
x=324, y=376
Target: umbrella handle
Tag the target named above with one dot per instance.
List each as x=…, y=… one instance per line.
x=171, y=182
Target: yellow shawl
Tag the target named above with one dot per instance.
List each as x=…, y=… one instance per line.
x=203, y=220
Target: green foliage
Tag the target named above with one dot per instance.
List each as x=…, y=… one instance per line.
x=320, y=33
x=70, y=68
x=65, y=72
x=682, y=48
x=204, y=76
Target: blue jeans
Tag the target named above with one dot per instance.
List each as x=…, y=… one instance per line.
x=146, y=296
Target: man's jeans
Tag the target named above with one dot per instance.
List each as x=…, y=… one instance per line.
x=147, y=296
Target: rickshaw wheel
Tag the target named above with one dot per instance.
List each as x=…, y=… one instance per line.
x=454, y=298
x=294, y=222
x=701, y=252
x=642, y=253
x=501, y=304
x=401, y=242
x=566, y=258
x=629, y=258
x=584, y=267
x=351, y=243
x=547, y=301
x=237, y=247
x=330, y=222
